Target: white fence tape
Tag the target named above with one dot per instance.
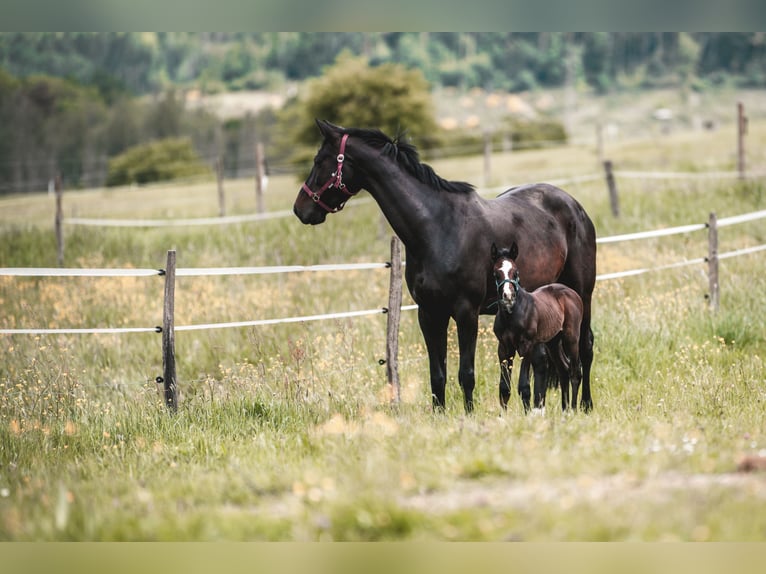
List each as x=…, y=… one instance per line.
x=202, y=271
x=74, y=272
x=191, y=272
x=184, y=272
x=723, y=222
x=629, y=273
x=259, y=322
x=653, y=233
x=226, y=220
x=676, y=174
x=744, y=251
x=103, y=331
x=190, y=222
x=736, y=219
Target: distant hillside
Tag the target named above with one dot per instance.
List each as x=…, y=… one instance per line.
x=70, y=102
x=140, y=63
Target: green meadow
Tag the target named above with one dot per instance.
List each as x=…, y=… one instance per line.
x=285, y=432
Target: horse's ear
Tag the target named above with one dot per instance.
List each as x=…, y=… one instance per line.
x=328, y=130
x=493, y=252
x=514, y=251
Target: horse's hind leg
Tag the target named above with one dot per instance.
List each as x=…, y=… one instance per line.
x=586, y=358
x=575, y=375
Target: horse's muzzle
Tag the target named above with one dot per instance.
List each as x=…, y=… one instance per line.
x=310, y=215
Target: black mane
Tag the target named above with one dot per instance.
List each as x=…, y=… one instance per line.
x=406, y=155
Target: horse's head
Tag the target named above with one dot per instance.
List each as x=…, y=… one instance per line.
x=506, y=275
x=331, y=181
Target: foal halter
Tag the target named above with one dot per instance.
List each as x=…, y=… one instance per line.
x=336, y=181
x=514, y=283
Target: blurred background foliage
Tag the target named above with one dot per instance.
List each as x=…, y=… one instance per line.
x=71, y=102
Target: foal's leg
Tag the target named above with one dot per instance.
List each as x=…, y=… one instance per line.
x=523, y=386
x=571, y=347
x=558, y=351
x=539, y=361
x=505, y=353
x=434, y=329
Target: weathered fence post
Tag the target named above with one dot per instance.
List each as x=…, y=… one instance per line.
x=392, y=324
x=614, y=201
x=59, y=221
x=741, y=132
x=219, y=178
x=259, y=173
x=712, y=261
x=487, y=157
x=168, y=335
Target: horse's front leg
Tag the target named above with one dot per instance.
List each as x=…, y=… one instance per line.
x=434, y=329
x=467, y=319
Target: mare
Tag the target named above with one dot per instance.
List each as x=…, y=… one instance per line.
x=550, y=315
x=447, y=228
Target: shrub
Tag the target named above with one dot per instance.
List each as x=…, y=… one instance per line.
x=160, y=160
x=536, y=133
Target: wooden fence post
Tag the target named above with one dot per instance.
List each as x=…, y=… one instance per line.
x=392, y=324
x=613, y=198
x=259, y=177
x=741, y=132
x=168, y=335
x=219, y=178
x=712, y=261
x=59, y=221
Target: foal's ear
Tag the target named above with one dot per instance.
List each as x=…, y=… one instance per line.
x=493, y=252
x=514, y=251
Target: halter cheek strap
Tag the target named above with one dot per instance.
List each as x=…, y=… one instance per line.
x=336, y=181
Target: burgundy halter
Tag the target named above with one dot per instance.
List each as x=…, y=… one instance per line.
x=336, y=181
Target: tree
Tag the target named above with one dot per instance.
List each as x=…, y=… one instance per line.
x=159, y=160
x=352, y=93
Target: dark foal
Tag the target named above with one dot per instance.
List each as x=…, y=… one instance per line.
x=549, y=315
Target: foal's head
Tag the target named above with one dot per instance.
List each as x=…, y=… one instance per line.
x=506, y=275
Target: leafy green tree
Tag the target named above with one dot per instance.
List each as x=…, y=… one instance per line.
x=352, y=93
x=161, y=160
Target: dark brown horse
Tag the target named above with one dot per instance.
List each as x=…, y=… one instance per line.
x=549, y=315
x=447, y=230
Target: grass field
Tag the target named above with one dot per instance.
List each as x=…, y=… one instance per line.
x=285, y=433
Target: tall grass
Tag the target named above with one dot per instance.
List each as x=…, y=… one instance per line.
x=285, y=432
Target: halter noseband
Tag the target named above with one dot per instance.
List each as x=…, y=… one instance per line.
x=514, y=283
x=336, y=181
